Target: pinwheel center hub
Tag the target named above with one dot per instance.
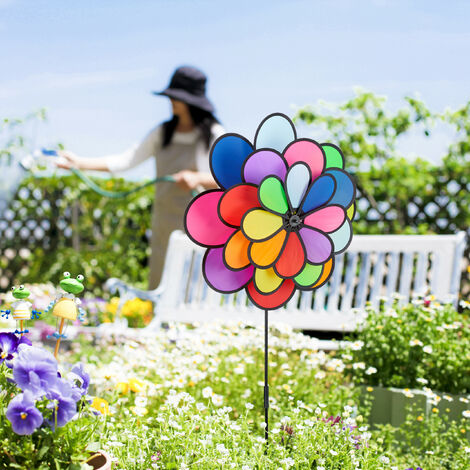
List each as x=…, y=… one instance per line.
x=294, y=221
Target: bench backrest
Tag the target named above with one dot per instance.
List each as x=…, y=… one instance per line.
x=374, y=266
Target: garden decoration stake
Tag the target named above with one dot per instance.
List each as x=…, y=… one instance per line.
x=282, y=213
x=21, y=309
x=66, y=306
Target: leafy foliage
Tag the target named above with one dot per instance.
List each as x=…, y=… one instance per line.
x=12, y=138
x=371, y=138
x=103, y=237
x=406, y=346
x=88, y=234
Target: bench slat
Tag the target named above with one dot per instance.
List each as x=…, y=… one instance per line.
x=349, y=282
x=363, y=281
x=377, y=278
x=405, y=277
x=335, y=283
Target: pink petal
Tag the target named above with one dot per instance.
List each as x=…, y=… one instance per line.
x=327, y=219
x=202, y=220
x=308, y=152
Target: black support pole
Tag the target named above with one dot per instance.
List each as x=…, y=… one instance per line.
x=266, y=386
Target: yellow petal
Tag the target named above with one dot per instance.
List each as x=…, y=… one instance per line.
x=260, y=224
x=267, y=280
x=351, y=210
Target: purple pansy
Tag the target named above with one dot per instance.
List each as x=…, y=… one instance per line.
x=24, y=417
x=64, y=399
x=34, y=369
x=9, y=343
x=80, y=378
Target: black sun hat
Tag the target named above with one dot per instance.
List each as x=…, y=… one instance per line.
x=188, y=84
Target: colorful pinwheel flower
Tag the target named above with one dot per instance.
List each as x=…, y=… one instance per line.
x=283, y=212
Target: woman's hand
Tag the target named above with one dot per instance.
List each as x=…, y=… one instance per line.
x=194, y=180
x=67, y=160
x=189, y=180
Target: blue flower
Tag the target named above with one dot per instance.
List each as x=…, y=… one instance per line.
x=63, y=402
x=9, y=343
x=24, y=417
x=34, y=369
x=81, y=378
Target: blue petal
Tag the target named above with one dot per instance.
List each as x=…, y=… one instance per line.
x=227, y=157
x=345, y=190
x=319, y=193
x=297, y=182
x=275, y=132
x=341, y=237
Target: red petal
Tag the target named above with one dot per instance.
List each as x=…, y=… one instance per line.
x=271, y=301
x=236, y=202
x=292, y=259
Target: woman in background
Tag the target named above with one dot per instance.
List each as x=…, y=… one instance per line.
x=180, y=147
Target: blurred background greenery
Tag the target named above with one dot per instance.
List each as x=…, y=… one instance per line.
x=55, y=221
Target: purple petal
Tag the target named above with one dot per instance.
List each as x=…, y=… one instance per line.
x=264, y=163
x=8, y=343
x=31, y=419
x=219, y=277
x=317, y=246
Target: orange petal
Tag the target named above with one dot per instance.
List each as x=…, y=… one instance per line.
x=265, y=253
x=327, y=268
x=236, y=251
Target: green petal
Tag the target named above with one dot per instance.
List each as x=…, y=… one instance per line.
x=309, y=275
x=273, y=196
x=333, y=156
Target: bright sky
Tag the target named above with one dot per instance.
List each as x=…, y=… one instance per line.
x=94, y=63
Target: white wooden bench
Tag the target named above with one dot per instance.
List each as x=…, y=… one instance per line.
x=374, y=266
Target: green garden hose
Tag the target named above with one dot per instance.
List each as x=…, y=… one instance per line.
x=119, y=194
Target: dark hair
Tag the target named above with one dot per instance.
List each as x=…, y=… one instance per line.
x=202, y=119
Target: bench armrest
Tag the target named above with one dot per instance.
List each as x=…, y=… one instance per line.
x=128, y=292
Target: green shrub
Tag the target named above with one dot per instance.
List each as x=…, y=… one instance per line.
x=422, y=343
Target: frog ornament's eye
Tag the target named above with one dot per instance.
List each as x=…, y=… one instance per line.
x=21, y=287
x=66, y=274
x=13, y=288
x=80, y=277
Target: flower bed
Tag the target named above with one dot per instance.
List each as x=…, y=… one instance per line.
x=192, y=397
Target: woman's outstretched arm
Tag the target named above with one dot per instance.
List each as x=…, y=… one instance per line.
x=120, y=162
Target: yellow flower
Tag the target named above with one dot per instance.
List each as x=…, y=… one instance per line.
x=122, y=387
x=419, y=418
x=435, y=410
x=136, y=385
x=101, y=405
x=370, y=389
